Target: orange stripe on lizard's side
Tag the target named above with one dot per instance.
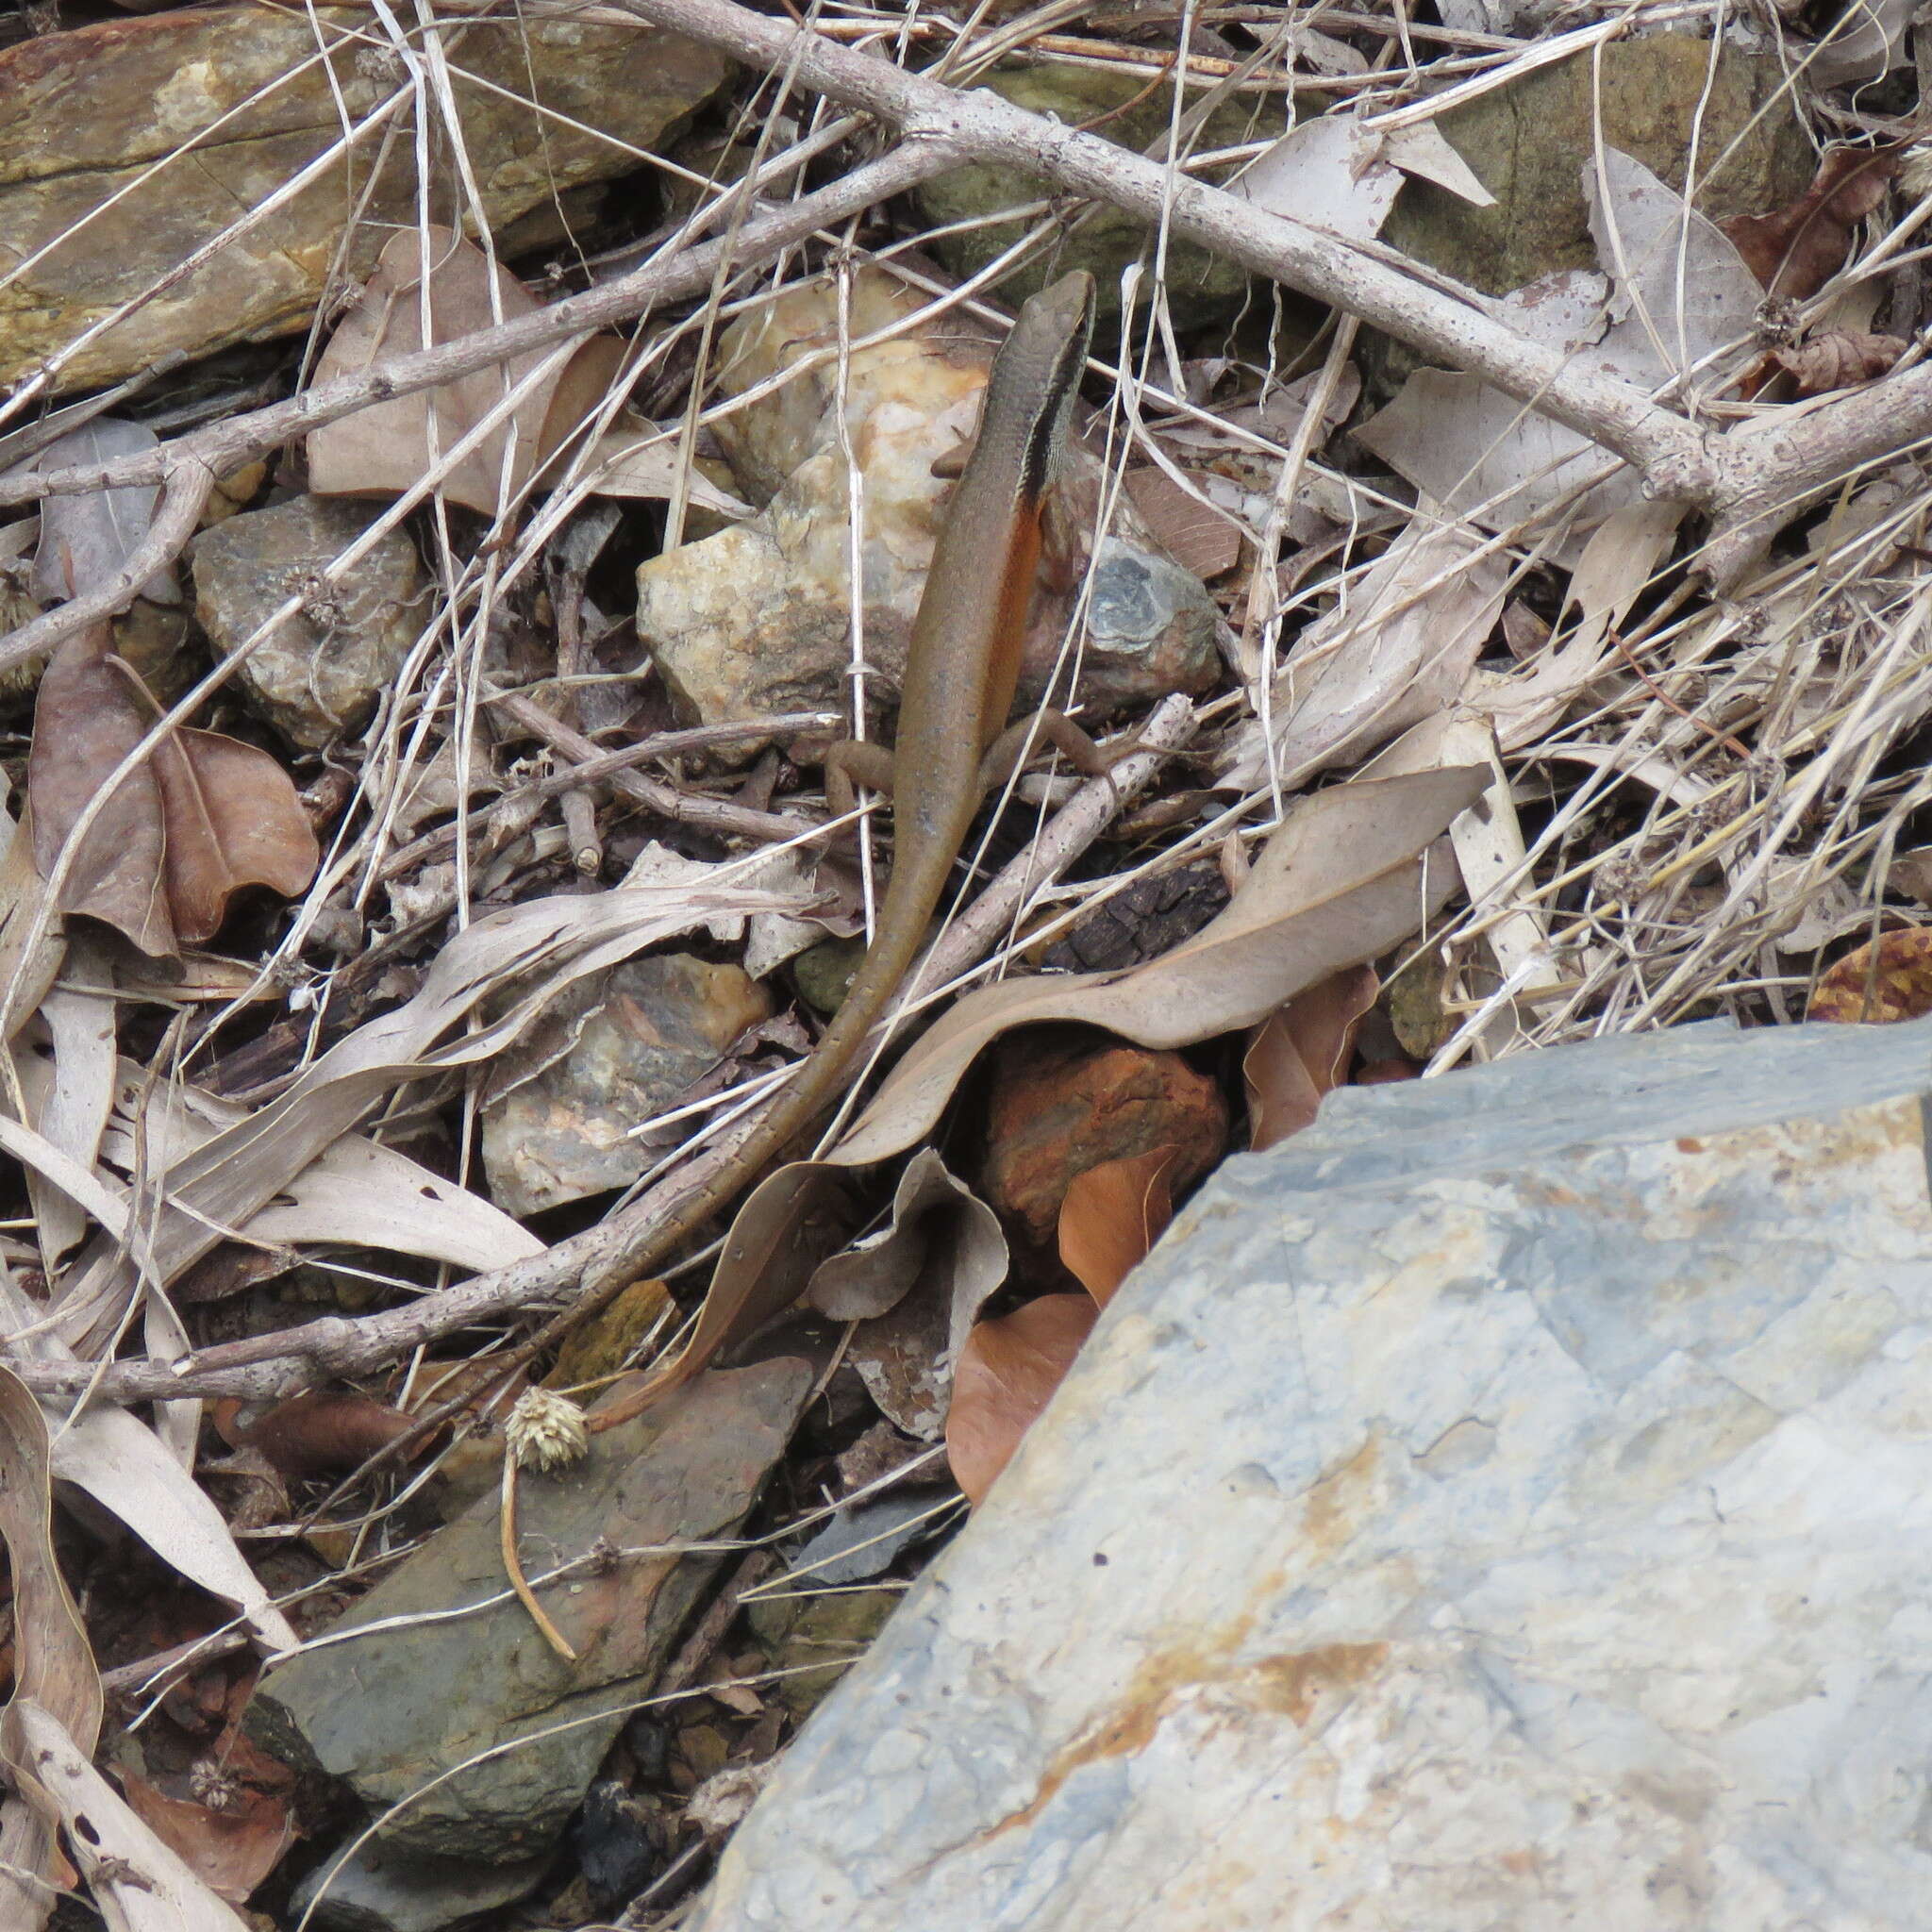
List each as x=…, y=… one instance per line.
x=1017, y=583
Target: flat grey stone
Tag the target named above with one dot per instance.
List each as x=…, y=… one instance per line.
x=1506, y=1506
x=379, y=1888
x=318, y=672
x=445, y=1702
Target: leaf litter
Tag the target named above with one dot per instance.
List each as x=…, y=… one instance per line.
x=1485, y=765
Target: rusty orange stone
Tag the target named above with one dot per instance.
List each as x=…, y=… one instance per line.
x=1889, y=979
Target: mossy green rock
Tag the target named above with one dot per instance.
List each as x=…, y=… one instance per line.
x=1107, y=239
x=1528, y=142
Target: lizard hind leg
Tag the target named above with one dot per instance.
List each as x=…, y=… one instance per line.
x=848, y=764
x=1048, y=727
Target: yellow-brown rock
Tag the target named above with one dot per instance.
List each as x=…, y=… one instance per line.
x=128, y=145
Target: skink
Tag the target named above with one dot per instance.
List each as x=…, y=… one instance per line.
x=961, y=672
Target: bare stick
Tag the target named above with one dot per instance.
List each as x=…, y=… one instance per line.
x=1752, y=480
x=1454, y=325
x=713, y=814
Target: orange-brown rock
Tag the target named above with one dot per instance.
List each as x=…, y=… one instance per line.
x=1064, y=1102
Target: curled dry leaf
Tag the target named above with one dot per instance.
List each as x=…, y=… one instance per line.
x=1350, y=873
x=389, y=447
x=1891, y=979
x=139, y=1883
x=203, y=817
x=1005, y=1377
x=325, y=1432
x=1114, y=1213
x=53, y=1662
x=1838, y=359
x=1797, y=249
x=1302, y=1052
x=914, y=1291
x=230, y=1850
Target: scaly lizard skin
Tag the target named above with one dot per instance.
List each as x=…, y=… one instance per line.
x=961, y=671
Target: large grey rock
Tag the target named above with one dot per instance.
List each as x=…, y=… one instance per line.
x=1503, y=1508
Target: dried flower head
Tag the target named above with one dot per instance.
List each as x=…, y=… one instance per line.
x=1915, y=173
x=545, y=1431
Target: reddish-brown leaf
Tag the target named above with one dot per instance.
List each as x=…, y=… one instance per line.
x=1302, y=1051
x=1114, y=1214
x=84, y=725
x=1797, y=249
x=1891, y=979
x=230, y=1849
x=324, y=1432
x=1196, y=535
x=233, y=819
x=1006, y=1375
x=181, y=834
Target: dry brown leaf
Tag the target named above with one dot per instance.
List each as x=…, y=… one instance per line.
x=1114, y=1214
x=539, y=946
x=139, y=1883
x=87, y=537
x=181, y=834
x=53, y=1662
x=325, y=1432
x=1340, y=881
x=1350, y=873
x=231, y=818
x=1400, y=650
x=1878, y=983
x=231, y=1850
x=1195, y=534
x=1797, y=249
x=1302, y=1052
x=389, y=448
x=357, y=1191
x=1006, y=1375
x=1838, y=359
